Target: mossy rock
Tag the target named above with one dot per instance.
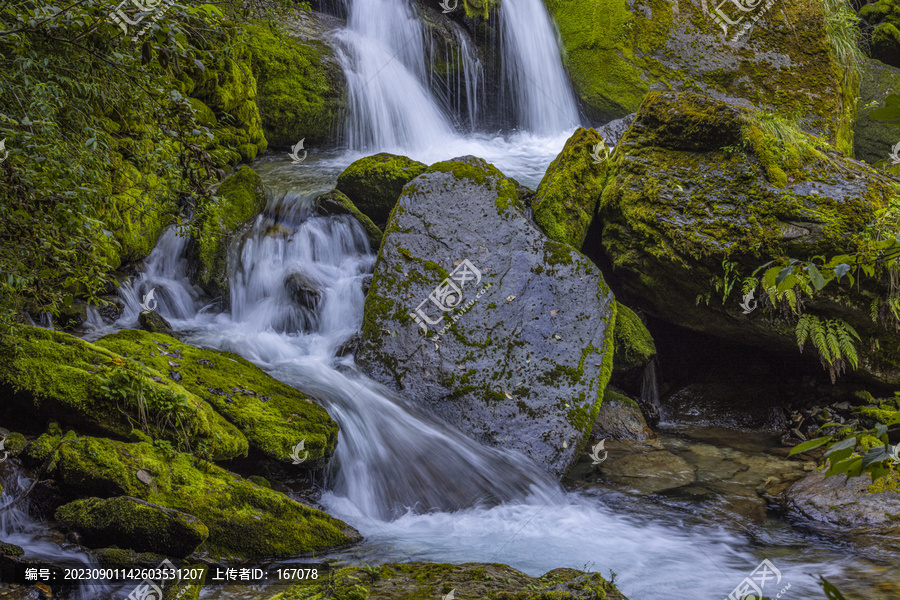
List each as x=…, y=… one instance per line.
x=7, y=549
x=244, y=519
x=63, y=375
x=120, y=557
x=153, y=322
x=375, y=182
x=241, y=198
x=873, y=140
x=337, y=203
x=786, y=63
x=204, y=114
x=521, y=356
x=300, y=85
x=633, y=342
x=570, y=190
x=134, y=524
x=885, y=44
x=676, y=207
x=14, y=443
x=469, y=580
x=272, y=415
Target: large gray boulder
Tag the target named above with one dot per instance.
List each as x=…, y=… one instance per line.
x=521, y=357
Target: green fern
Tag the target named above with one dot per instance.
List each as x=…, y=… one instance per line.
x=834, y=340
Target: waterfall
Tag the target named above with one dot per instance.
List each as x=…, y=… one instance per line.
x=539, y=87
x=649, y=400
x=390, y=105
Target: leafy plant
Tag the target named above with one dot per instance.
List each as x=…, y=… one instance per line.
x=853, y=456
x=150, y=407
x=833, y=338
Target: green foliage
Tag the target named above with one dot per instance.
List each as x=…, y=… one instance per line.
x=167, y=409
x=845, y=36
x=105, y=146
x=854, y=455
x=833, y=338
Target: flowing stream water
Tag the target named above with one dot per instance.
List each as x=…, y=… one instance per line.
x=416, y=488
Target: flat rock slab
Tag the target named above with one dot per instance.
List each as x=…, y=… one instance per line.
x=474, y=314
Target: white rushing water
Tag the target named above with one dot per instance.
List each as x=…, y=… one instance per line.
x=539, y=87
x=414, y=487
x=395, y=104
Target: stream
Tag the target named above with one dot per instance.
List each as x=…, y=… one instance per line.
x=414, y=487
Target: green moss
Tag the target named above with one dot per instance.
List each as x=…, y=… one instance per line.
x=374, y=183
x=130, y=523
x=336, y=202
x=244, y=520
x=300, y=89
x=273, y=416
x=634, y=345
x=568, y=194
x=14, y=443
x=241, y=198
x=62, y=373
x=418, y=581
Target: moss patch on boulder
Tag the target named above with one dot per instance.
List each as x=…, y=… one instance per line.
x=872, y=139
x=64, y=376
x=337, y=203
x=130, y=523
x=375, y=182
x=570, y=190
x=244, y=519
x=786, y=64
x=633, y=343
x=272, y=415
x=470, y=580
x=241, y=198
x=300, y=88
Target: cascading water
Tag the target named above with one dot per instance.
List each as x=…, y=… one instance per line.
x=382, y=52
x=18, y=527
x=539, y=87
x=414, y=487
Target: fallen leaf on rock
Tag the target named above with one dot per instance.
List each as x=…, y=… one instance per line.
x=510, y=298
x=174, y=364
x=508, y=395
x=145, y=477
x=554, y=312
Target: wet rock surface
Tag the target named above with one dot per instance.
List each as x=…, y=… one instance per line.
x=521, y=356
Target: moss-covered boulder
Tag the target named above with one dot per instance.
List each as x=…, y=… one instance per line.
x=620, y=418
x=14, y=443
x=224, y=98
x=633, y=343
x=300, y=84
x=873, y=140
x=337, y=203
x=152, y=321
x=241, y=197
x=134, y=524
x=567, y=196
x=244, y=519
x=696, y=182
x=478, y=316
x=786, y=63
x=470, y=580
x=94, y=388
x=273, y=416
x=886, y=44
x=374, y=183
